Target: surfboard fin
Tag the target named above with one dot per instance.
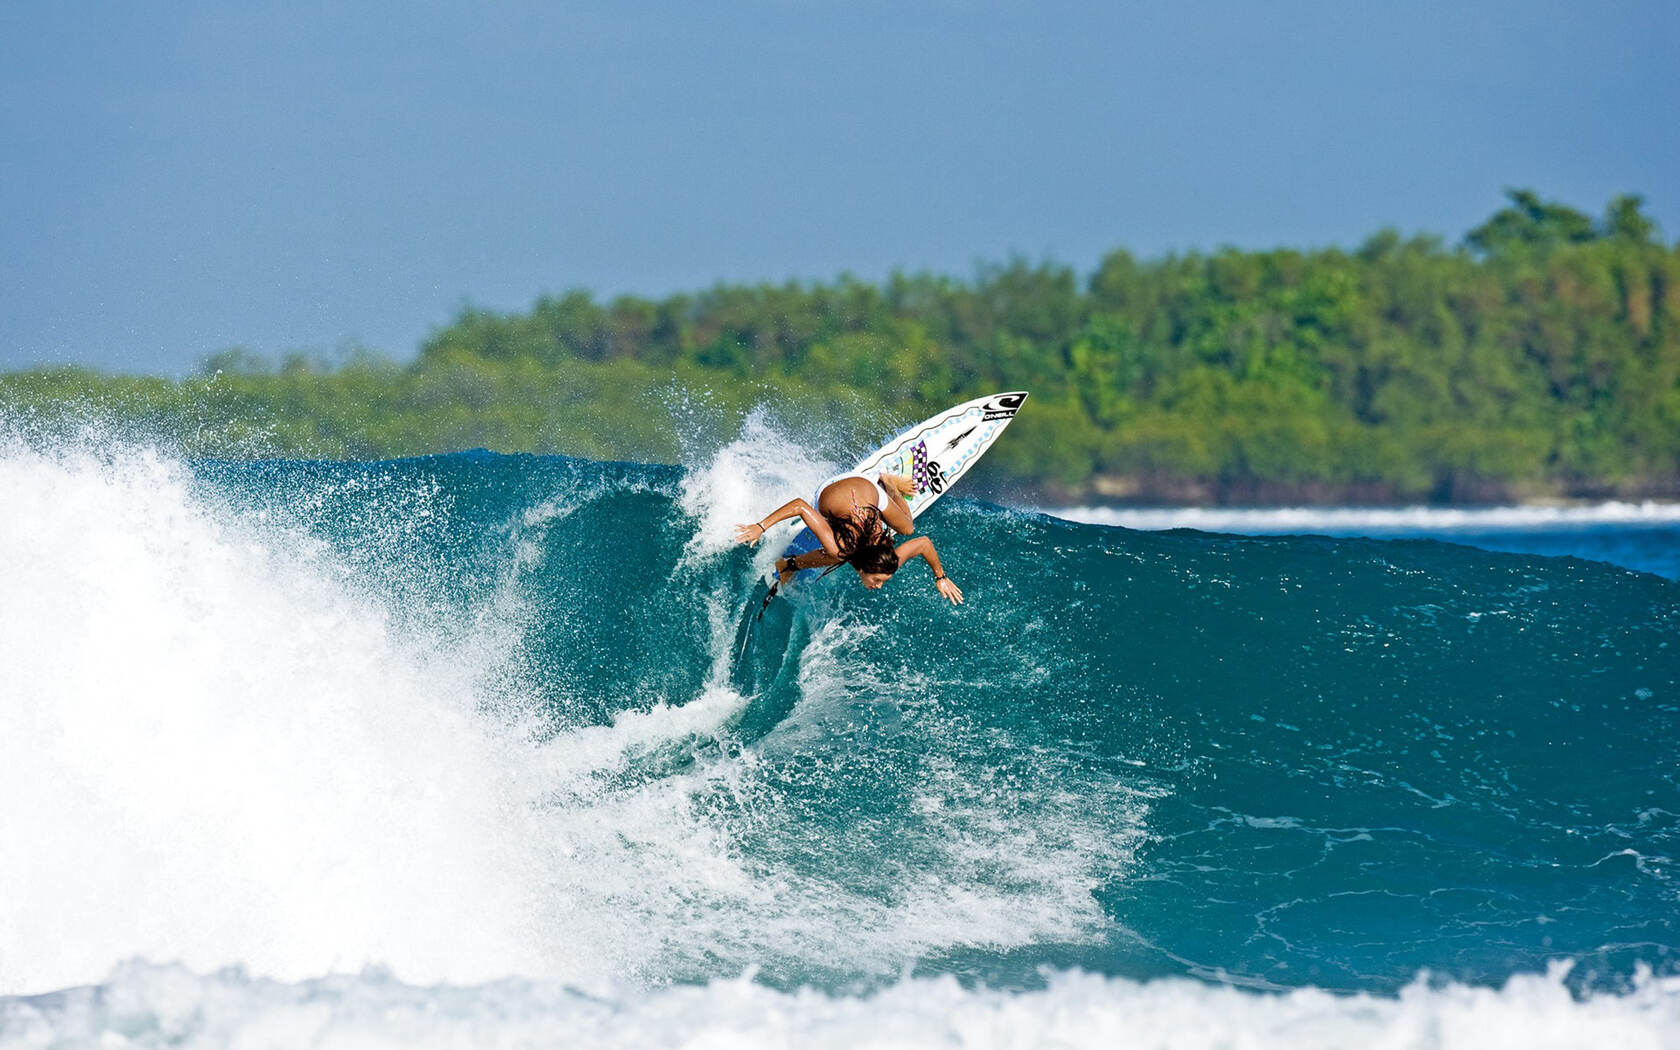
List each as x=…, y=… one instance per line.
x=768, y=598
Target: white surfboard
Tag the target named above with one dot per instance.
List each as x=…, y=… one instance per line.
x=934, y=453
x=938, y=451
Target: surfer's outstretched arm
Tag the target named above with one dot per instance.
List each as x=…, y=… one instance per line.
x=922, y=547
x=751, y=533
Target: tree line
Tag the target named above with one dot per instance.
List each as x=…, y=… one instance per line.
x=1538, y=356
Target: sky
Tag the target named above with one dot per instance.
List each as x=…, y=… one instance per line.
x=180, y=178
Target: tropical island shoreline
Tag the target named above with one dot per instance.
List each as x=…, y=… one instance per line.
x=1536, y=361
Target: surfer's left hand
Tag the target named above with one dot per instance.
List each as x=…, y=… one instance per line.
x=749, y=534
x=949, y=590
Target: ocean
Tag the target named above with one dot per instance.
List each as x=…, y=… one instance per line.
x=486, y=750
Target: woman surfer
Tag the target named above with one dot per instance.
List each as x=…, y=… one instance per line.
x=850, y=520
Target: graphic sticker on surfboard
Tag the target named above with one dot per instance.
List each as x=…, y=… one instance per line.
x=934, y=454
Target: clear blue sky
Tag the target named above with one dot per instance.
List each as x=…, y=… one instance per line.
x=179, y=178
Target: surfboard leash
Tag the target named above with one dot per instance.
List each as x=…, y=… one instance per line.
x=768, y=598
x=776, y=587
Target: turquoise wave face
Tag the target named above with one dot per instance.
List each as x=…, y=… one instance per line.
x=513, y=714
x=1281, y=761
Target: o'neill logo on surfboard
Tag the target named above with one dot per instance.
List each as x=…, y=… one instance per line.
x=1004, y=406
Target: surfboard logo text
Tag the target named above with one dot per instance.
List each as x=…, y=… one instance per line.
x=1004, y=406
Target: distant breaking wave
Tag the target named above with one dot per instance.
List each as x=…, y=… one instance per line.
x=1374, y=520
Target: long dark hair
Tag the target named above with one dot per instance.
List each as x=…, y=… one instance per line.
x=864, y=543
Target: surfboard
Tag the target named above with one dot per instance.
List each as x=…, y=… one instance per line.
x=934, y=454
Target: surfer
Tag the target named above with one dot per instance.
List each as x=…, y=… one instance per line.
x=850, y=519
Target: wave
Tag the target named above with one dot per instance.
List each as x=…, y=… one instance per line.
x=305, y=718
x=477, y=717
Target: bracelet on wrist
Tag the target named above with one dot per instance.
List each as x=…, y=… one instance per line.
x=940, y=576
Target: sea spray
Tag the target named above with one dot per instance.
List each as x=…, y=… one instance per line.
x=744, y=482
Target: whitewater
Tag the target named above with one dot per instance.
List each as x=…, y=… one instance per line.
x=466, y=750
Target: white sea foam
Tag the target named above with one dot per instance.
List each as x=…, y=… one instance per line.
x=213, y=750
x=750, y=477
x=1375, y=520
x=150, y=1006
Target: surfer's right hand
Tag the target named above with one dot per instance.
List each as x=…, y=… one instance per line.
x=749, y=534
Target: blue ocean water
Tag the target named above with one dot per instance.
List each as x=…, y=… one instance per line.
x=488, y=748
x=1653, y=549
x=1642, y=536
